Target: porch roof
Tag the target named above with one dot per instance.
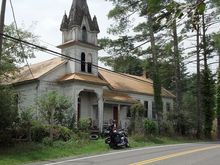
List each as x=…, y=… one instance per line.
x=84, y=78
x=117, y=96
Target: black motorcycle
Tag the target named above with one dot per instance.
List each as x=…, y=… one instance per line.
x=116, y=138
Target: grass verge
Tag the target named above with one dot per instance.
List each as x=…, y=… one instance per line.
x=32, y=152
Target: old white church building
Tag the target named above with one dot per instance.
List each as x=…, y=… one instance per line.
x=98, y=94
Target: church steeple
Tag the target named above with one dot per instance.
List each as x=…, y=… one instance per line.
x=78, y=11
x=79, y=38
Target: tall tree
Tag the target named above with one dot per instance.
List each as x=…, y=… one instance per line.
x=151, y=11
x=12, y=55
x=121, y=13
x=208, y=101
x=207, y=81
x=216, y=38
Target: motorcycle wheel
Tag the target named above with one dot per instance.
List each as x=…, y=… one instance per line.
x=111, y=145
x=127, y=145
x=107, y=140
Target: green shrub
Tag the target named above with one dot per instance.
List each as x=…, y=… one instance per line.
x=20, y=133
x=139, y=138
x=39, y=132
x=150, y=127
x=84, y=125
x=47, y=141
x=167, y=128
x=137, y=110
x=65, y=133
x=62, y=133
x=137, y=115
x=81, y=138
x=5, y=138
x=8, y=113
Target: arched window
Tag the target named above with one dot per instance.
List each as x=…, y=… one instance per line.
x=84, y=34
x=83, y=62
x=89, y=63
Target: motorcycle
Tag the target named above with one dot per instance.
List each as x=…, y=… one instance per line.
x=116, y=138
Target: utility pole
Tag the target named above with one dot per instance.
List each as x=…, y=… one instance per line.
x=2, y=20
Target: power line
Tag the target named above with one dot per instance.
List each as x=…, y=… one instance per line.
x=54, y=53
x=16, y=26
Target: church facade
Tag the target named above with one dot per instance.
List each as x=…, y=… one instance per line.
x=98, y=94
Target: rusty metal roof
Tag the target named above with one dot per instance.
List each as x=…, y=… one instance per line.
x=35, y=71
x=130, y=83
x=117, y=96
x=117, y=82
x=83, y=77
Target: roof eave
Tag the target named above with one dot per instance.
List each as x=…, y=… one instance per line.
x=80, y=43
x=25, y=82
x=94, y=83
x=119, y=101
x=143, y=93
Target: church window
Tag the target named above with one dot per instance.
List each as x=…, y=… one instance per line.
x=83, y=62
x=168, y=107
x=84, y=34
x=89, y=63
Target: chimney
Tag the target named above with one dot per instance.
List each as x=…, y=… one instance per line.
x=145, y=74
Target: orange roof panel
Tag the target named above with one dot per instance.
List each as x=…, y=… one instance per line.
x=117, y=96
x=130, y=83
x=83, y=77
x=35, y=71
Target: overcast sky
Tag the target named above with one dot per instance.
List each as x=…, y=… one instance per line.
x=46, y=16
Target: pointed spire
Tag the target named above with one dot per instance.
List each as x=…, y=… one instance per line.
x=95, y=24
x=65, y=22
x=78, y=11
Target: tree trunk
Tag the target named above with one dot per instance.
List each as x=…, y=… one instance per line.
x=177, y=74
x=198, y=100
x=52, y=123
x=177, y=68
x=218, y=126
x=218, y=98
x=204, y=42
x=156, y=78
x=2, y=20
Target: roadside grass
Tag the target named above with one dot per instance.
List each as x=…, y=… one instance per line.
x=31, y=152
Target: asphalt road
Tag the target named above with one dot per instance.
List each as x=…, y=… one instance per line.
x=181, y=154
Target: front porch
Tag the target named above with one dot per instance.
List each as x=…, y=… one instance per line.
x=103, y=109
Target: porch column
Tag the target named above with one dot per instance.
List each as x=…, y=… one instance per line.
x=150, y=116
x=164, y=114
x=76, y=107
x=100, y=112
x=119, y=116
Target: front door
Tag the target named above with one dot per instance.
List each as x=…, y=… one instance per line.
x=115, y=114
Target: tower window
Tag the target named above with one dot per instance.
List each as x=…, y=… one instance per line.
x=89, y=63
x=84, y=34
x=83, y=63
